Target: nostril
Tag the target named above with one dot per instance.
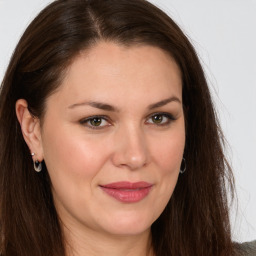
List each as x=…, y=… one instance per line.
x=130, y=159
x=131, y=151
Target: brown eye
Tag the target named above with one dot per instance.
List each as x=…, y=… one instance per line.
x=160, y=119
x=95, y=121
x=157, y=119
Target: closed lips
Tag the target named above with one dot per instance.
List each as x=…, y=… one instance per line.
x=127, y=192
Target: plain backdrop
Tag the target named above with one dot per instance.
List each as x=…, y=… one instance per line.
x=224, y=34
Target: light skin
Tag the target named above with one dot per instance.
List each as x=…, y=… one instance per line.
x=117, y=116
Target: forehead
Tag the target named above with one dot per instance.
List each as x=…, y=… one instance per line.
x=109, y=71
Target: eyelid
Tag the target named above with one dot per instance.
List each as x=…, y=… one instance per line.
x=84, y=121
x=165, y=114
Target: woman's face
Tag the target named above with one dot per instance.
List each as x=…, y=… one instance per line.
x=113, y=138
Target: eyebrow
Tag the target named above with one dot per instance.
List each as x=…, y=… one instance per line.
x=94, y=104
x=107, y=107
x=163, y=102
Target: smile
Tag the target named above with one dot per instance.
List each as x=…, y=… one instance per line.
x=127, y=192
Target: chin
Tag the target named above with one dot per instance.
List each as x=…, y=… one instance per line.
x=129, y=224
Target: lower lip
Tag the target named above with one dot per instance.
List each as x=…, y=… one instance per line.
x=127, y=195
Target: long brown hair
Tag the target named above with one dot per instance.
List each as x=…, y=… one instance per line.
x=196, y=219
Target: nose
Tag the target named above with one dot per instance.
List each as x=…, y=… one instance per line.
x=131, y=150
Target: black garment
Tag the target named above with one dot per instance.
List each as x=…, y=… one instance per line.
x=247, y=249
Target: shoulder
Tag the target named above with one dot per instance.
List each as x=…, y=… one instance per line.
x=246, y=249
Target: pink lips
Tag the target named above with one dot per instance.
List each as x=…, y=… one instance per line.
x=127, y=192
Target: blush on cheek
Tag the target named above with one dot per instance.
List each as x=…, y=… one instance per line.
x=83, y=158
x=170, y=158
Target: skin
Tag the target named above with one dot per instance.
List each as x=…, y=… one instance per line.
x=128, y=145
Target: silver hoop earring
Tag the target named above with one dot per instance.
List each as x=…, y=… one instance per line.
x=37, y=166
x=184, y=165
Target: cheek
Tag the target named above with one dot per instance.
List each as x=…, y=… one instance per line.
x=168, y=155
x=73, y=162
x=70, y=154
x=167, y=158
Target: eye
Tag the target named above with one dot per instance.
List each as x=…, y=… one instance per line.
x=160, y=119
x=95, y=122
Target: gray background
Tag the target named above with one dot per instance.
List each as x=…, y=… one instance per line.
x=224, y=34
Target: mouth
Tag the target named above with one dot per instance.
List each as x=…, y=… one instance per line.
x=127, y=192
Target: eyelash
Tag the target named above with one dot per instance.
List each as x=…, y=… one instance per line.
x=86, y=121
x=168, y=116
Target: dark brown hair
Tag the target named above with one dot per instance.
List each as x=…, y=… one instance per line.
x=196, y=219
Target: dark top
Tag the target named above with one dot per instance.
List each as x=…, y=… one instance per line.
x=247, y=249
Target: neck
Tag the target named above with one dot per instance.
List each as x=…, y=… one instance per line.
x=80, y=243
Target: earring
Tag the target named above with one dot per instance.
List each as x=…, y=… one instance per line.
x=37, y=164
x=184, y=164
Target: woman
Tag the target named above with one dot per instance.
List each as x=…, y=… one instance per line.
x=109, y=140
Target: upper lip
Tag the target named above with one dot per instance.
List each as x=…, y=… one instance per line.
x=127, y=185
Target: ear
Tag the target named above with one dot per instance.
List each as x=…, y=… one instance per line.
x=31, y=130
